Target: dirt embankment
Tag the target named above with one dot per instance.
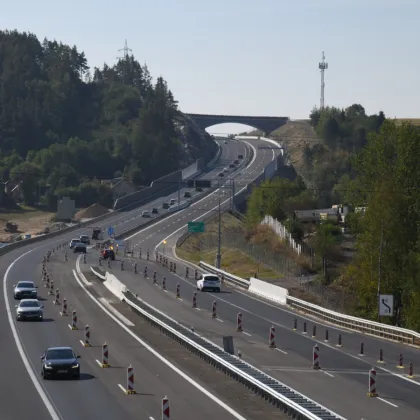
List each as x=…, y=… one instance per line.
x=95, y=210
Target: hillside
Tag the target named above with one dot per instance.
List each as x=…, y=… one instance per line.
x=65, y=127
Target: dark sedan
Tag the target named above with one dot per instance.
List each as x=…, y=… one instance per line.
x=60, y=361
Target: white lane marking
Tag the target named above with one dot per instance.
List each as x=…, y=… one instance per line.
x=45, y=397
x=151, y=418
x=387, y=402
x=248, y=334
x=118, y=314
x=162, y=359
x=82, y=277
x=218, y=319
x=327, y=373
x=280, y=350
x=122, y=388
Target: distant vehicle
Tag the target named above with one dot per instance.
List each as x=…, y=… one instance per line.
x=25, y=289
x=97, y=234
x=236, y=161
x=155, y=210
x=226, y=170
x=108, y=253
x=29, y=309
x=80, y=247
x=209, y=282
x=240, y=156
x=60, y=361
x=221, y=174
x=165, y=205
x=187, y=194
x=225, y=142
x=173, y=201
x=145, y=213
x=73, y=242
x=198, y=189
x=84, y=239
x=231, y=165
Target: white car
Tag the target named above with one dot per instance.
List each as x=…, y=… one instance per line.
x=73, y=242
x=145, y=213
x=209, y=282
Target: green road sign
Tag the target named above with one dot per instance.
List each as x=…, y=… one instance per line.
x=196, y=227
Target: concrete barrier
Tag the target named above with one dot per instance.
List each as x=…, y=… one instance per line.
x=97, y=273
x=115, y=286
x=268, y=291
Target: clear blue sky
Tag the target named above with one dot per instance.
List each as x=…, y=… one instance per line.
x=249, y=57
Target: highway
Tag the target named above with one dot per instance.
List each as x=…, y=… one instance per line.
x=342, y=384
x=97, y=394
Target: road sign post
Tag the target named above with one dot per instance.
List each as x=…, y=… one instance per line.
x=386, y=305
x=196, y=227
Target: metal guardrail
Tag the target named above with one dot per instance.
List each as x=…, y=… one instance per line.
x=227, y=276
x=358, y=324
x=366, y=326
x=290, y=401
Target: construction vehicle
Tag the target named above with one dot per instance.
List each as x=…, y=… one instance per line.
x=97, y=234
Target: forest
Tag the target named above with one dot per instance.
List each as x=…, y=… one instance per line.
x=65, y=127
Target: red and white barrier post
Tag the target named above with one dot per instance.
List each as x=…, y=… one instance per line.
x=130, y=381
x=73, y=325
x=57, y=297
x=372, y=383
x=164, y=283
x=178, y=293
x=165, y=408
x=86, y=343
x=239, y=322
x=272, y=338
x=213, y=310
x=400, y=362
x=194, y=300
x=51, y=291
x=104, y=363
x=64, y=308
x=315, y=363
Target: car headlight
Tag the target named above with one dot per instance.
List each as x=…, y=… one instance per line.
x=48, y=366
x=75, y=366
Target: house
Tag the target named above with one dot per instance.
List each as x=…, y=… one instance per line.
x=335, y=214
x=120, y=187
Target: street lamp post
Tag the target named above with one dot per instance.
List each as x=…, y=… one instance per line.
x=219, y=237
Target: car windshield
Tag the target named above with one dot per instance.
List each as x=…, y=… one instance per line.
x=75, y=240
x=211, y=278
x=29, y=304
x=56, y=354
x=26, y=284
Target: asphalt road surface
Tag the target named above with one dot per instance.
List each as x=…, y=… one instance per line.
x=97, y=395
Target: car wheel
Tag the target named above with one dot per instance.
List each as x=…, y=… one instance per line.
x=77, y=376
x=217, y=290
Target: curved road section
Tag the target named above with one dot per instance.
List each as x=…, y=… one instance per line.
x=341, y=384
x=98, y=395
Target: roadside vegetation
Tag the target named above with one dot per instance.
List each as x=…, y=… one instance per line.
x=65, y=127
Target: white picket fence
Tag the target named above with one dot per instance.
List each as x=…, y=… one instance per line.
x=282, y=232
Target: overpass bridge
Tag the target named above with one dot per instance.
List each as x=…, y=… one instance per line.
x=266, y=124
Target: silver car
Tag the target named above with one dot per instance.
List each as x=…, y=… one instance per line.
x=25, y=290
x=29, y=309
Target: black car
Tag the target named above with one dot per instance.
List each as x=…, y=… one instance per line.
x=155, y=210
x=79, y=247
x=60, y=361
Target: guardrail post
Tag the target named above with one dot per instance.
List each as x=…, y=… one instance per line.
x=295, y=324
x=314, y=331
x=304, y=327
x=339, y=341
x=362, y=349
x=326, y=336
